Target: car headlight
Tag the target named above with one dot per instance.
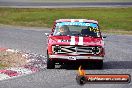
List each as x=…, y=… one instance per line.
x=96, y=50
x=56, y=48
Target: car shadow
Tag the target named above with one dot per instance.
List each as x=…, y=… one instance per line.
x=107, y=65
x=118, y=65
x=76, y=67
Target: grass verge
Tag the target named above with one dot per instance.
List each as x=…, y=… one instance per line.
x=110, y=19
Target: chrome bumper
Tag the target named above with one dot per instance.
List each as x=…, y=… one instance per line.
x=76, y=57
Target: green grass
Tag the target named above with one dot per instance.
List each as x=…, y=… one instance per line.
x=109, y=18
x=1, y=66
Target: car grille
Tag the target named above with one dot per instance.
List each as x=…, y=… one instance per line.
x=76, y=50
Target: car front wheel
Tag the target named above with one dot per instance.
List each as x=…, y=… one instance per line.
x=50, y=63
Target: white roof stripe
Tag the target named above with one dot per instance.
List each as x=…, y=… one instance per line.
x=79, y=20
x=72, y=20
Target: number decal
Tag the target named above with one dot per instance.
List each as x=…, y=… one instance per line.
x=92, y=29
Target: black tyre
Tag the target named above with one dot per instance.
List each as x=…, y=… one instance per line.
x=99, y=64
x=50, y=63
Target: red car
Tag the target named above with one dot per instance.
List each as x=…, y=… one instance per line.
x=75, y=40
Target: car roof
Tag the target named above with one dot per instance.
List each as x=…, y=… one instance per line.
x=76, y=20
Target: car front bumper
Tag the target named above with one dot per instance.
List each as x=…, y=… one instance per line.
x=76, y=57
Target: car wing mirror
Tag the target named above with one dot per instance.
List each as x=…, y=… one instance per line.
x=104, y=36
x=47, y=34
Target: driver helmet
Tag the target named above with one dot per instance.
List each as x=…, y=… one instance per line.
x=64, y=29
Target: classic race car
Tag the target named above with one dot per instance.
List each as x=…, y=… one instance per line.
x=75, y=40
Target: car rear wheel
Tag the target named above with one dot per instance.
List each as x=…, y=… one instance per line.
x=50, y=63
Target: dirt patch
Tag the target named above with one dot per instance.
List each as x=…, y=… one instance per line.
x=11, y=59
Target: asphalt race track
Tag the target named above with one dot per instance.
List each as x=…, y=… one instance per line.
x=118, y=60
x=30, y=4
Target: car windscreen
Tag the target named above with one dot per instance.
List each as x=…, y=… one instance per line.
x=76, y=29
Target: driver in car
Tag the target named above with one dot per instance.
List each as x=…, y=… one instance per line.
x=63, y=30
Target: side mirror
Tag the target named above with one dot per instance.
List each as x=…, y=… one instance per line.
x=47, y=34
x=104, y=36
